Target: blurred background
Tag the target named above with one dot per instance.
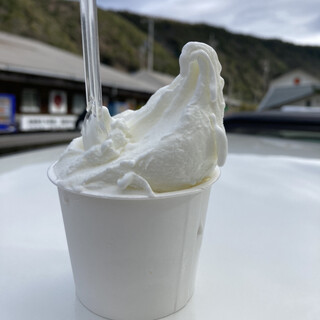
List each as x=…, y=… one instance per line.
x=270, y=53
x=260, y=256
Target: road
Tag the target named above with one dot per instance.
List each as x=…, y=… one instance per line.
x=10, y=143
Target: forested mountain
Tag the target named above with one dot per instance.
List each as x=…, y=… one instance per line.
x=248, y=62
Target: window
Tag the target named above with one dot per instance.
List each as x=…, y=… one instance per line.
x=30, y=101
x=105, y=100
x=78, y=103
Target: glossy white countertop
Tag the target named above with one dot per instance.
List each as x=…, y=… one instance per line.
x=260, y=257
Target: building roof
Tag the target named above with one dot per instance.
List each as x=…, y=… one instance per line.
x=23, y=55
x=155, y=78
x=278, y=96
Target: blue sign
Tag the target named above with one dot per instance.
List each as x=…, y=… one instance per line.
x=116, y=107
x=7, y=112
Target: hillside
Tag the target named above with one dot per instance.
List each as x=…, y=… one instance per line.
x=123, y=34
x=242, y=57
x=57, y=22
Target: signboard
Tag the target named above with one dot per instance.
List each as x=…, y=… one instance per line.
x=7, y=112
x=58, y=102
x=47, y=122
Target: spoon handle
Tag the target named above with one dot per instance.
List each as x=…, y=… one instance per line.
x=90, y=45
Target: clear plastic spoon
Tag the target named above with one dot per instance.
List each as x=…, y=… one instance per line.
x=90, y=45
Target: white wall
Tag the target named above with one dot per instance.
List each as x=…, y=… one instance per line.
x=295, y=77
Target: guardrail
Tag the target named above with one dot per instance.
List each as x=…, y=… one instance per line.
x=274, y=123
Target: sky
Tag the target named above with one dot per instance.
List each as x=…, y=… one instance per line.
x=292, y=21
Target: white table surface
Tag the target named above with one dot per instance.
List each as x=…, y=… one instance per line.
x=260, y=257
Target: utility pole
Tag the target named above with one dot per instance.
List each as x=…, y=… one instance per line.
x=266, y=72
x=150, y=43
x=142, y=55
x=230, y=87
x=213, y=42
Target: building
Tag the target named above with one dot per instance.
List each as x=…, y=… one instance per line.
x=294, y=78
x=156, y=79
x=42, y=87
x=295, y=90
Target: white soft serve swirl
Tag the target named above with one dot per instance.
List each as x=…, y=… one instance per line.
x=174, y=142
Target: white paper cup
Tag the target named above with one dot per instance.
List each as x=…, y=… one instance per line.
x=135, y=258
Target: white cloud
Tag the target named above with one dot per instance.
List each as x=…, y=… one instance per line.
x=289, y=20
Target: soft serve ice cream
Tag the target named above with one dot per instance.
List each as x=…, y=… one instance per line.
x=134, y=191
x=172, y=143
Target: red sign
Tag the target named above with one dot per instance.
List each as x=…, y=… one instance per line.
x=296, y=81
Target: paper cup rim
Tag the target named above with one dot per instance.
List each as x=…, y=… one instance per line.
x=157, y=195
